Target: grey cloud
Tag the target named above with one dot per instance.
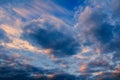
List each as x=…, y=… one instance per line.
x=49, y=36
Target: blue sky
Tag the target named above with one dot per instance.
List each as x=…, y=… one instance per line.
x=70, y=5
x=60, y=39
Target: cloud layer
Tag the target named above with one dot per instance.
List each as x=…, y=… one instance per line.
x=51, y=41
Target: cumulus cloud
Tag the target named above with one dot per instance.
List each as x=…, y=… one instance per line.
x=95, y=26
x=98, y=29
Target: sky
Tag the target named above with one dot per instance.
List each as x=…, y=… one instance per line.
x=59, y=39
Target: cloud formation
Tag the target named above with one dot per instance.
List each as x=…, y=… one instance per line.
x=49, y=36
x=96, y=27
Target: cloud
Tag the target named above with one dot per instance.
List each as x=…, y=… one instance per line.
x=115, y=6
x=6, y=2
x=96, y=28
x=22, y=12
x=21, y=45
x=11, y=69
x=48, y=36
x=11, y=31
x=83, y=68
x=3, y=36
x=112, y=75
x=42, y=8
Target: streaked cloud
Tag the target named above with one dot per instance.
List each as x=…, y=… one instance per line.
x=11, y=31
x=22, y=45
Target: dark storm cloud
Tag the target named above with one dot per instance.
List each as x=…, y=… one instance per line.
x=49, y=37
